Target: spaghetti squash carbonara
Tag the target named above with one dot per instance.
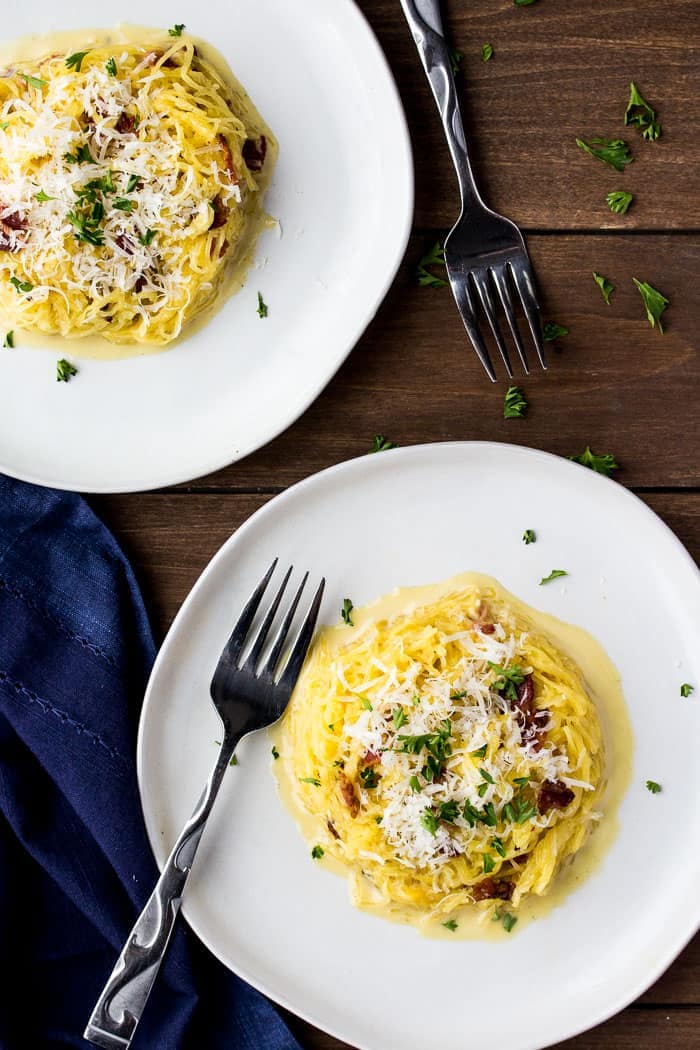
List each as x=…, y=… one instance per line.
x=131, y=177
x=450, y=752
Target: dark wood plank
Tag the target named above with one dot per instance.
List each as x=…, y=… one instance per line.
x=616, y=384
x=560, y=70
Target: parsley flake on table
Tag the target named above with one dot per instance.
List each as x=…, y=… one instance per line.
x=554, y=575
x=654, y=302
x=639, y=114
x=8, y=342
x=686, y=688
x=450, y=925
x=275, y=753
x=177, y=29
x=311, y=780
x=21, y=287
x=613, y=152
x=111, y=67
x=486, y=52
x=455, y=59
x=317, y=852
x=514, y=403
x=234, y=760
x=262, y=306
x=604, y=464
x=552, y=331
x=509, y=921
x=75, y=61
x=653, y=787
x=381, y=444
x=346, y=612
x=435, y=257
x=65, y=370
x=529, y=536
x=606, y=286
x=35, y=82
x=619, y=201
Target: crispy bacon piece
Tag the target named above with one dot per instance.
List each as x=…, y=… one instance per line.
x=125, y=243
x=372, y=758
x=140, y=284
x=347, y=790
x=228, y=158
x=220, y=213
x=489, y=889
x=15, y=221
x=126, y=125
x=254, y=152
x=532, y=720
x=554, y=795
x=332, y=828
x=487, y=628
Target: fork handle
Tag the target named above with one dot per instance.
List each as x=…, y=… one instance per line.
x=425, y=21
x=119, y=1008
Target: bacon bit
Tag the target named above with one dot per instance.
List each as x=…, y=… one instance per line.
x=126, y=125
x=228, y=158
x=223, y=249
x=554, y=795
x=347, y=790
x=125, y=243
x=332, y=828
x=254, y=153
x=220, y=213
x=531, y=719
x=489, y=889
x=522, y=859
x=371, y=758
x=487, y=628
x=140, y=284
x=15, y=221
x=7, y=243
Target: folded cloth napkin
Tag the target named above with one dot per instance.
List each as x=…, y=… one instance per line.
x=75, y=864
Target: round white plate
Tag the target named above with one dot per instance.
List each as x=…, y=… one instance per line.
x=343, y=192
x=415, y=516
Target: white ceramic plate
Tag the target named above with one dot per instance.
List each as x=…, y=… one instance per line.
x=414, y=516
x=343, y=192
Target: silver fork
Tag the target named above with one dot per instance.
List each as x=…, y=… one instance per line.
x=485, y=254
x=248, y=695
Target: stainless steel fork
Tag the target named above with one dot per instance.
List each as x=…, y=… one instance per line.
x=248, y=695
x=485, y=254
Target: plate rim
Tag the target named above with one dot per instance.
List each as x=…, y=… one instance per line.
x=425, y=448
x=225, y=458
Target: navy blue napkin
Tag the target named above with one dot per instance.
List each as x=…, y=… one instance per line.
x=75, y=864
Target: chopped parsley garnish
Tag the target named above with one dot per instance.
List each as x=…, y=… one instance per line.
x=122, y=204
x=523, y=3
x=366, y=702
x=518, y=810
x=521, y=780
x=65, y=370
x=8, y=342
x=482, y=789
x=111, y=66
x=435, y=257
x=509, y=921
x=499, y=847
x=132, y=183
x=414, y=784
x=81, y=156
x=4, y=125
x=514, y=403
x=369, y=778
x=619, y=201
x=275, y=753
x=606, y=286
x=507, y=679
x=437, y=745
x=613, y=152
x=311, y=780
x=331, y=726
x=639, y=114
x=653, y=787
x=399, y=717
x=35, y=82
x=147, y=238
x=489, y=863
x=177, y=29
x=554, y=575
x=450, y=925
x=381, y=444
x=234, y=760
x=346, y=612
x=43, y=197
x=317, y=852
x=529, y=536
x=455, y=59
x=486, y=52
x=488, y=815
x=604, y=464
x=448, y=811
x=480, y=752
x=654, y=302
x=85, y=221
x=471, y=814
x=687, y=689
x=377, y=820
x=262, y=306
x=75, y=61
x=430, y=821
x=486, y=776
x=553, y=331
x=21, y=287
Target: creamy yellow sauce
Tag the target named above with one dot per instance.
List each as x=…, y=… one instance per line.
x=233, y=276
x=603, y=684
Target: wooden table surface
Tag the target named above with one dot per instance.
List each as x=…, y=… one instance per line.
x=561, y=69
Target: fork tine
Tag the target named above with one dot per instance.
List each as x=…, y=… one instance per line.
x=264, y=629
x=296, y=657
x=498, y=273
x=523, y=282
x=466, y=309
x=281, y=636
x=240, y=631
x=480, y=279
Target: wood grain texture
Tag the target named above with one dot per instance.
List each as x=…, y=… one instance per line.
x=613, y=382
x=561, y=69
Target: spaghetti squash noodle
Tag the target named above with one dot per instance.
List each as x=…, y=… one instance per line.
x=132, y=178
x=450, y=752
